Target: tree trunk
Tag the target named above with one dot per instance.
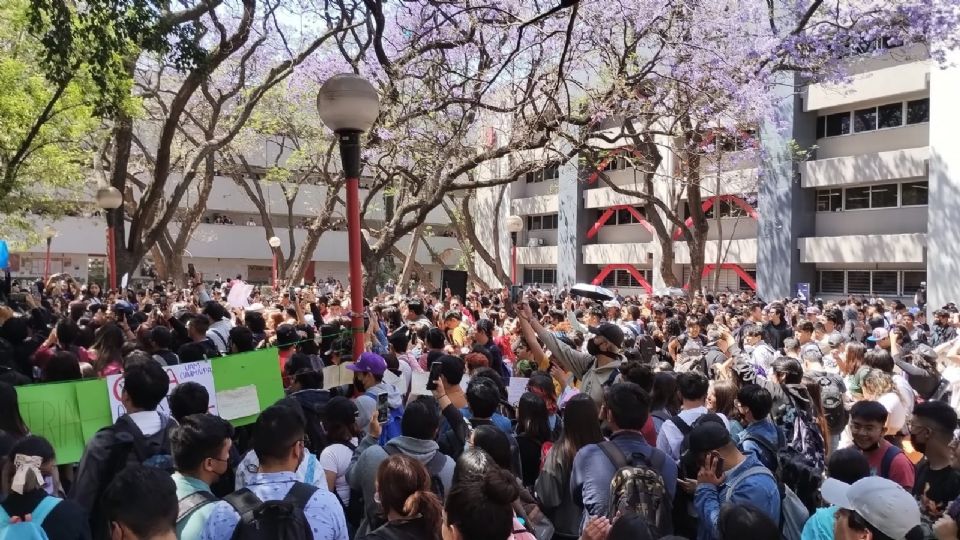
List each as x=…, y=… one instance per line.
x=716, y=210
x=412, y=256
x=466, y=232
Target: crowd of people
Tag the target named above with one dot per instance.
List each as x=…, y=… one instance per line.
x=710, y=417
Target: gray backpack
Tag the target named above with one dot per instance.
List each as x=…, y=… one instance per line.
x=793, y=514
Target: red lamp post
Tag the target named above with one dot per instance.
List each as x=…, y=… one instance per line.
x=274, y=244
x=48, y=232
x=514, y=226
x=109, y=199
x=348, y=104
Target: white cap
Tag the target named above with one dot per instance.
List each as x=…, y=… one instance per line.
x=255, y=307
x=881, y=502
x=611, y=304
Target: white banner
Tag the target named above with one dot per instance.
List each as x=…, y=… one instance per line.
x=198, y=372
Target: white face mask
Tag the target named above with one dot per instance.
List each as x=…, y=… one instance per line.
x=48, y=486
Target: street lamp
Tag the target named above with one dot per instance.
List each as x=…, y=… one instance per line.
x=514, y=226
x=274, y=244
x=48, y=233
x=109, y=198
x=348, y=104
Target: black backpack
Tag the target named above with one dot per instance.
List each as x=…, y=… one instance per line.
x=193, y=502
x=638, y=488
x=272, y=520
x=832, y=390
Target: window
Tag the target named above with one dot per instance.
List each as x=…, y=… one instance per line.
x=918, y=111
x=838, y=124
x=858, y=282
x=865, y=120
x=912, y=281
x=831, y=281
x=857, y=198
x=890, y=115
x=623, y=278
x=913, y=194
x=616, y=163
x=821, y=127
x=883, y=196
x=885, y=282
x=545, y=222
x=829, y=200
x=550, y=173
x=743, y=284
x=540, y=275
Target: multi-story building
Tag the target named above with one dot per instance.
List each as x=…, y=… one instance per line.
x=870, y=208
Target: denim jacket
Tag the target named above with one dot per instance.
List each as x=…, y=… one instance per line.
x=759, y=490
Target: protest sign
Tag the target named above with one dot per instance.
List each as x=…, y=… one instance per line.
x=51, y=411
x=199, y=372
x=518, y=385
x=238, y=402
x=259, y=368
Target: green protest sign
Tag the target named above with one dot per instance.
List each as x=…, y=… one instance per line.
x=51, y=411
x=69, y=414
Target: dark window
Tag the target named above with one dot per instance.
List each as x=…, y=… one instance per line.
x=865, y=120
x=624, y=217
x=838, y=124
x=913, y=193
x=918, y=111
x=912, y=281
x=884, y=196
x=831, y=281
x=857, y=198
x=829, y=200
x=537, y=223
x=821, y=126
x=890, y=115
x=885, y=282
x=858, y=282
x=551, y=173
x=743, y=284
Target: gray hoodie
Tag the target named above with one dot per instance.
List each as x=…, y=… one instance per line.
x=362, y=473
x=368, y=405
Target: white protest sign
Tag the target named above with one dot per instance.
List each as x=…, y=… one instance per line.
x=238, y=402
x=239, y=296
x=199, y=372
x=517, y=387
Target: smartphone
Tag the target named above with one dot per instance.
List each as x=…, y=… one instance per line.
x=293, y=293
x=191, y=271
x=434, y=375
x=516, y=293
x=718, y=464
x=382, y=408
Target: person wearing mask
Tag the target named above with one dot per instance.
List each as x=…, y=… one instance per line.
x=760, y=437
x=597, y=369
x=126, y=514
x=201, y=452
x=776, y=329
x=942, y=331
x=868, y=420
x=936, y=483
x=412, y=510
x=278, y=443
x=533, y=432
x=419, y=427
x=145, y=385
x=625, y=409
x=581, y=428
x=693, y=388
x=340, y=424
x=846, y=465
x=483, y=336
x=727, y=476
x=31, y=488
x=368, y=380
x=873, y=508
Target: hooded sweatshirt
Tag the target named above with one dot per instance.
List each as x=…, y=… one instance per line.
x=368, y=404
x=362, y=473
x=594, y=379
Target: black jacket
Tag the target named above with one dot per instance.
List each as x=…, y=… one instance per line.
x=401, y=529
x=67, y=520
x=774, y=335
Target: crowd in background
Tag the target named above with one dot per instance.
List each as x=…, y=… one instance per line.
x=715, y=416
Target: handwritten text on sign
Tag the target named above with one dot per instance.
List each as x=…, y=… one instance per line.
x=199, y=372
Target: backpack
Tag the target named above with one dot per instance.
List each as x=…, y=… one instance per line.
x=434, y=468
x=391, y=429
x=831, y=400
x=193, y=502
x=694, y=359
x=131, y=445
x=793, y=513
x=273, y=520
x=802, y=434
x=887, y=460
x=352, y=511
x=686, y=468
x=28, y=530
x=639, y=489
x=803, y=484
x=647, y=347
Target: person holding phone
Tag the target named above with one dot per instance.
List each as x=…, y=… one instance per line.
x=727, y=476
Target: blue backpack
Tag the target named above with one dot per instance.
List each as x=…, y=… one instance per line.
x=28, y=530
x=390, y=430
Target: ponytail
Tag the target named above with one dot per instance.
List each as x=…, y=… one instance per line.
x=429, y=506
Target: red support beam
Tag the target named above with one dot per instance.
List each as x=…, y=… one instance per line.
x=708, y=204
x=608, y=213
x=709, y=268
x=629, y=268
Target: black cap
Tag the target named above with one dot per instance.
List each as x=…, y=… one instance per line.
x=342, y=410
x=610, y=331
x=287, y=335
x=709, y=434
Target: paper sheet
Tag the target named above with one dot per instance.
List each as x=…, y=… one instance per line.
x=418, y=384
x=517, y=387
x=238, y=402
x=337, y=375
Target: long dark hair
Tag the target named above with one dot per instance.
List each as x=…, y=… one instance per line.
x=10, y=419
x=109, y=346
x=664, y=395
x=480, y=502
x=532, y=418
x=581, y=426
x=404, y=487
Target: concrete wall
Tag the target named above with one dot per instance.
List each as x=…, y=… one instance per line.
x=887, y=248
x=742, y=252
x=872, y=167
x=911, y=219
x=617, y=234
x=605, y=197
x=541, y=204
x=733, y=228
x=625, y=253
x=876, y=84
x=537, y=256
x=883, y=140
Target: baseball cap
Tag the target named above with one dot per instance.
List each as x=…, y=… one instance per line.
x=611, y=304
x=287, y=335
x=610, y=331
x=881, y=502
x=926, y=352
x=835, y=339
x=813, y=310
x=369, y=363
x=342, y=410
x=709, y=434
x=879, y=334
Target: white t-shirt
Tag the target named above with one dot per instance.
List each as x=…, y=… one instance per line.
x=896, y=412
x=336, y=458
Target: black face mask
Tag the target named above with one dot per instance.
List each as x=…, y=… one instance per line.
x=919, y=446
x=358, y=385
x=593, y=348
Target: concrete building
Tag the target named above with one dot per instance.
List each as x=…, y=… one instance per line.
x=872, y=211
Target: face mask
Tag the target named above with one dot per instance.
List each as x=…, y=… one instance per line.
x=48, y=485
x=358, y=384
x=919, y=446
x=593, y=348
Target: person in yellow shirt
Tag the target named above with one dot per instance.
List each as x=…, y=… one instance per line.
x=454, y=329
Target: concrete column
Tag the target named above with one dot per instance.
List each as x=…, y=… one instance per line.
x=787, y=212
x=570, y=268
x=486, y=212
x=943, y=225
